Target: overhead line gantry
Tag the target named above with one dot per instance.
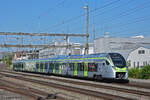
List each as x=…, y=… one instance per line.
x=5, y=45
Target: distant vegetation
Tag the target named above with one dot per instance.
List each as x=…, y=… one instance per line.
x=143, y=73
x=8, y=59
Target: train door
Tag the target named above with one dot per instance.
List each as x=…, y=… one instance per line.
x=100, y=68
x=86, y=69
x=81, y=69
x=105, y=72
x=54, y=68
x=41, y=67
x=21, y=66
x=37, y=67
x=16, y=66
x=44, y=67
x=75, y=71
x=60, y=68
x=57, y=68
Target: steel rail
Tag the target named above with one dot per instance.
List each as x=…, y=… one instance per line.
x=70, y=88
x=97, y=85
x=36, y=94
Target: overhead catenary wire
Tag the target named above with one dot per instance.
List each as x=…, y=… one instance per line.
x=129, y=12
x=125, y=13
x=83, y=14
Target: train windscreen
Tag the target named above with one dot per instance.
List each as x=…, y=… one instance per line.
x=118, y=60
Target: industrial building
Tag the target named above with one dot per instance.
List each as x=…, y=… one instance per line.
x=52, y=52
x=125, y=46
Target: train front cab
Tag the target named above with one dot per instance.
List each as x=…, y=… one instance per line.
x=119, y=66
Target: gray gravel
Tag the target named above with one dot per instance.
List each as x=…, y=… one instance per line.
x=83, y=97
x=6, y=95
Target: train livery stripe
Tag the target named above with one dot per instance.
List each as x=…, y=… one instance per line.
x=121, y=69
x=75, y=69
x=85, y=69
x=97, y=58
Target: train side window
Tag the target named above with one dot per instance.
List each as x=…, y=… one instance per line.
x=41, y=65
x=107, y=63
x=63, y=66
x=46, y=65
x=57, y=66
x=16, y=65
x=71, y=65
x=37, y=65
x=92, y=67
x=51, y=66
x=22, y=65
x=80, y=66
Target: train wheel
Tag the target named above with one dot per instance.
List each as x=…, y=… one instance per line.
x=99, y=77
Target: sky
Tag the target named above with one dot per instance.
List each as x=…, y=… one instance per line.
x=121, y=18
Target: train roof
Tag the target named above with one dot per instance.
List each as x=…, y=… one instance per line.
x=95, y=55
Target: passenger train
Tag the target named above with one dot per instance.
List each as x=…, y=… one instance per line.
x=96, y=66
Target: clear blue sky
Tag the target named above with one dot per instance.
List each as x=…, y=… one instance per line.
x=121, y=18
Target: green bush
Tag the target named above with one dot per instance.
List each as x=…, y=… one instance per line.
x=143, y=73
x=134, y=73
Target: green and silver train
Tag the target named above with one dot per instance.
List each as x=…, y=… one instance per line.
x=97, y=66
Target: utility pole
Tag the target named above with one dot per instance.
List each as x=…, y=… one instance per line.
x=87, y=30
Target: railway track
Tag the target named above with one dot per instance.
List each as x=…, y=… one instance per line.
x=108, y=87
x=130, y=84
x=97, y=85
x=30, y=93
x=89, y=92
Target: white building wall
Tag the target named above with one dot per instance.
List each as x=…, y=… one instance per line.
x=120, y=45
x=125, y=46
x=137, y=60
